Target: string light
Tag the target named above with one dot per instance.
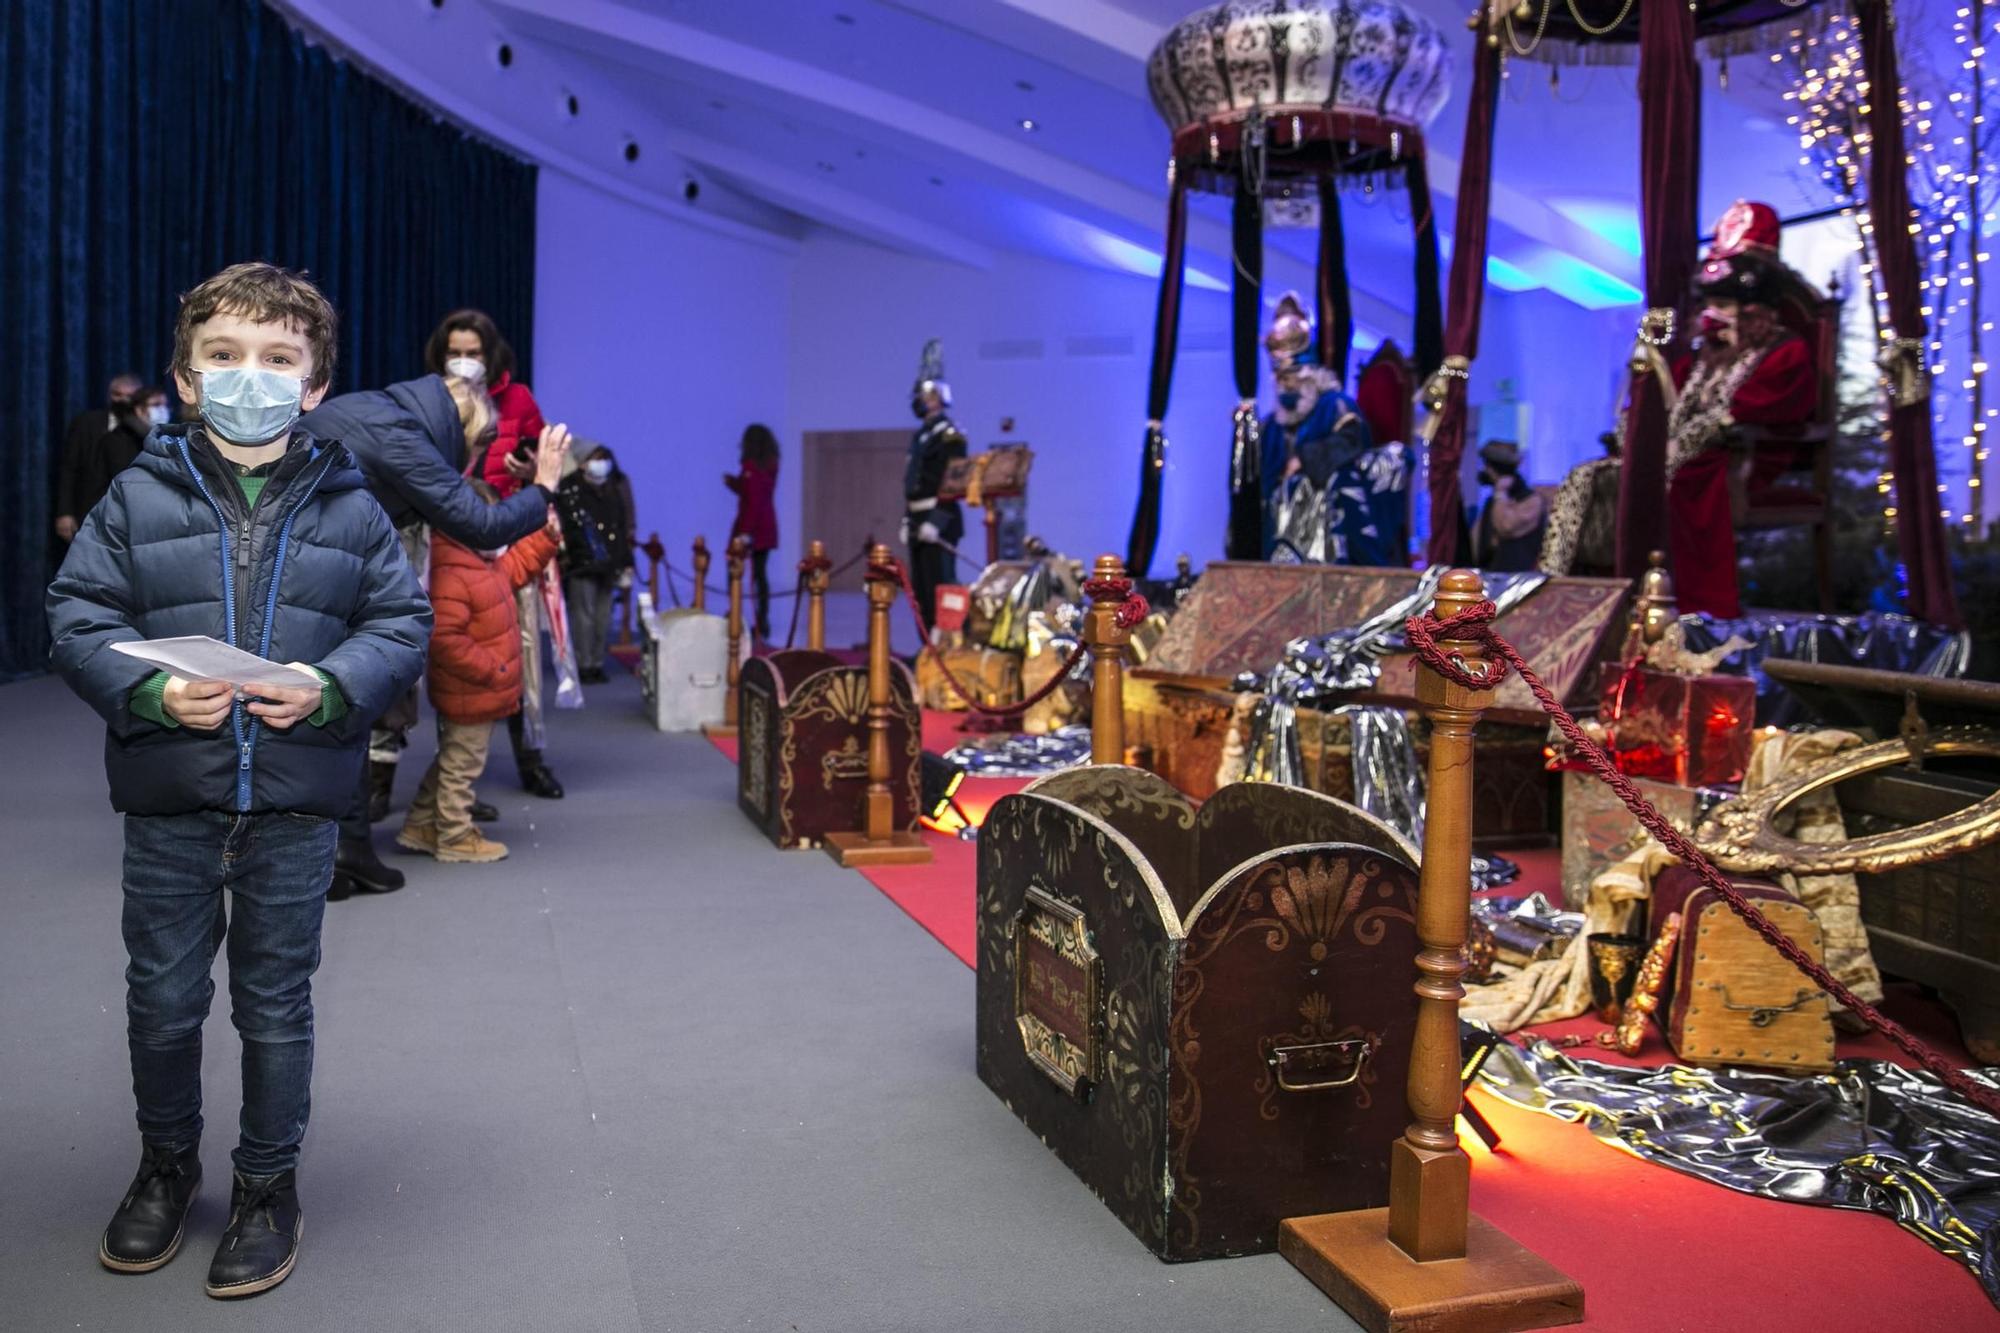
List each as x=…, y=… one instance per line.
x=1947, y=140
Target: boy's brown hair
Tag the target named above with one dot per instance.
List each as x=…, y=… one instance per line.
x=266, y=294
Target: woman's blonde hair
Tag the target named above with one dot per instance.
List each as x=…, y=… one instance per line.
x=475, y=409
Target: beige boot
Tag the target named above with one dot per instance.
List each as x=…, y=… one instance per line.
x=470, y=846
x=419, y=837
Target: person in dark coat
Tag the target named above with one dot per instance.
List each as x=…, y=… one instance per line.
x=595, y=502
x=411, y=441
x=1508, y=537
x=245, y=529
x=85, y=429
x=119, y=447
x=757, y=512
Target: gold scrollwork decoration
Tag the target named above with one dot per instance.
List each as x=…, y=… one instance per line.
x=1741, y=836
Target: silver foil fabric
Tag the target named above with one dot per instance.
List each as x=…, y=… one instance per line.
x=1881, y=640
x=1319, y=672
x=1022, y=756
x=1870, y=1136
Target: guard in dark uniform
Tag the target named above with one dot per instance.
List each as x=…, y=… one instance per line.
x=931, y=527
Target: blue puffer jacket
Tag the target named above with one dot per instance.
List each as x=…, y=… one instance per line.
x=412, y=450
x=313, y=574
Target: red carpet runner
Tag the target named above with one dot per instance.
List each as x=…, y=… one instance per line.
x=1655, y=1250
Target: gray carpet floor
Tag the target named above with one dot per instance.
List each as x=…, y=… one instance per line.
x=648, y=1073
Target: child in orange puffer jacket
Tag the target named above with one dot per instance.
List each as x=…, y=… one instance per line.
x=475, y=681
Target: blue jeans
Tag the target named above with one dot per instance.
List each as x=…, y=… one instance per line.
x=277, y=868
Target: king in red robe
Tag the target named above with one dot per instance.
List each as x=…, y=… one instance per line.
x=1750, y=367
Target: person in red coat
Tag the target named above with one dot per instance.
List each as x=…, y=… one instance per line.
x=475, y=680
x=468, y=345
x=1750, y=367
x=757, y=512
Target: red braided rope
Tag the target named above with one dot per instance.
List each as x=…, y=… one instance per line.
x=895, y=572
x=1475, y=623
x=1132, y=607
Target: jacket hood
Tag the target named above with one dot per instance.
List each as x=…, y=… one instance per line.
x=162, y=456
x=435, y=410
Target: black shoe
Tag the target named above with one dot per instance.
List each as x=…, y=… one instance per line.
x=381, y=781
x=482, y=813
x=594, y=676
x=262, y=1243
x=354, y=860
x=538, y=781
x=146, y=1230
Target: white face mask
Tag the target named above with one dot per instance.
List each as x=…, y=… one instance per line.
x=466, y=368
x=597, y=469
x=158, y=414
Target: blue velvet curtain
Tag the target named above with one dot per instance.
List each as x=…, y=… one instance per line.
x=145, y=145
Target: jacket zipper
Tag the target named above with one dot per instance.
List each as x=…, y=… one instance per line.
x=270, y=616
x=236, y=714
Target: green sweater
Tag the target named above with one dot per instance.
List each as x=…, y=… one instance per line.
x=149, y=696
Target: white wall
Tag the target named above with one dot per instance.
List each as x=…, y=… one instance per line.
x=663, y=340
x=860, y=318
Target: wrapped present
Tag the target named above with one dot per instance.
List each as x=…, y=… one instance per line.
x=1598, y=831
x=1691, y=730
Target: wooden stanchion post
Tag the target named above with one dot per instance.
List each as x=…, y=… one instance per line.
x=655, y=555
x=1425, y=1262
x=879, y=841
x=739, y=551
x=816, y=582
x=1107, y=642
x=700, y=574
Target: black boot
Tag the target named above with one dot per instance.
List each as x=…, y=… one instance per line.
x=381, y=781
x=484, y=813
x=145, y=1232
x=355, y=861
x=262, y=1243
x=536, y=778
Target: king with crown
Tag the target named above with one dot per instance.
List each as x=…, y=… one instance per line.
x=1750, y=367
x=1330, y=494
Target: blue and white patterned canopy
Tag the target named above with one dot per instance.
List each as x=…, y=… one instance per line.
x=1369, y=58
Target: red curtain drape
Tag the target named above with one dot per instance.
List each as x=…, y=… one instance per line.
x=1466, y=291
x=1919, y=525
x=1669, y=181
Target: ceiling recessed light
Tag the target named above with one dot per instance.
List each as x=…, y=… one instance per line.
x=569, y=102
x=1024, y=85
x=631, y=150
x=845, y=19
x=937, y=180
x=1029, y=125
x=504, y=54
x=718, y=104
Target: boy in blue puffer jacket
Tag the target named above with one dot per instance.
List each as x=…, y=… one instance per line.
x=244, y=528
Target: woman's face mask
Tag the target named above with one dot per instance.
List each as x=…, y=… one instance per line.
x=598, y=469
x=158, y=414
x=466, y=368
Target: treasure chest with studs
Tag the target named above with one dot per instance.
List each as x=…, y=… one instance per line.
x=1733, y=999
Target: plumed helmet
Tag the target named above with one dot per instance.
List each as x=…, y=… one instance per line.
x=930, y=373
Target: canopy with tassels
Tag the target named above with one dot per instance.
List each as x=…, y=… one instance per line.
x=1272, y=100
